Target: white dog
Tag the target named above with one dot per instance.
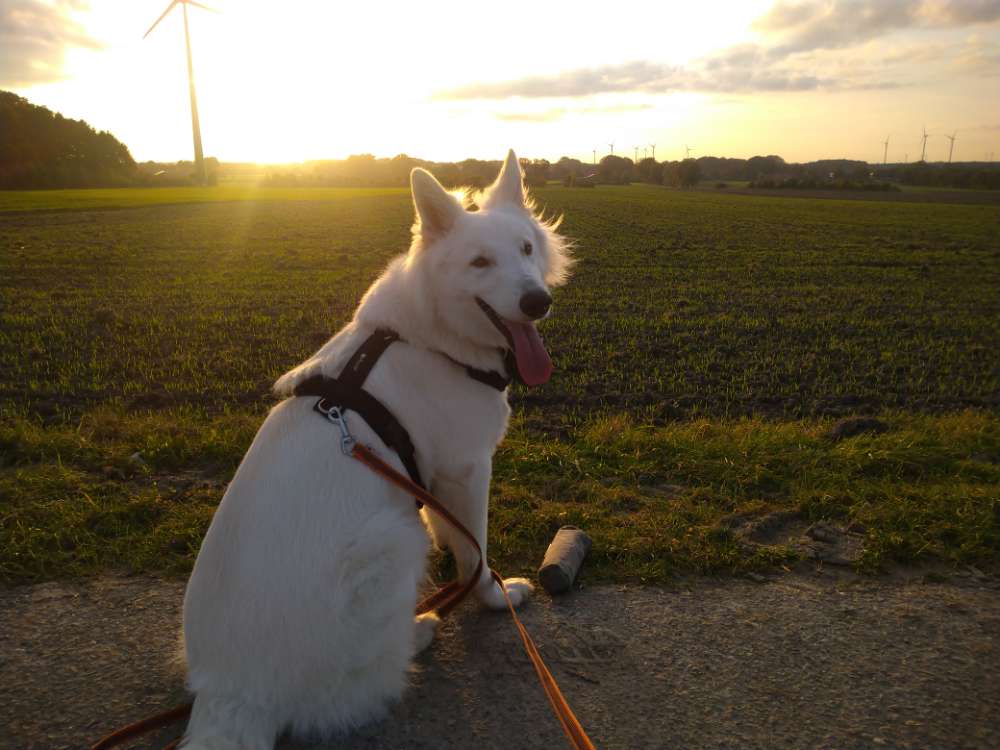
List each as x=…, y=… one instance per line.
x=299, y=613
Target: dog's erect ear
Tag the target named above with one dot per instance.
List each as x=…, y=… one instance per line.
x=508, y=188
x=437, y=210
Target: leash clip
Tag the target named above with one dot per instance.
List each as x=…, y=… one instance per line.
x=336, y=415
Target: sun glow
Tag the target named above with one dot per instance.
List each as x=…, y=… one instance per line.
x=312, y=79
x=309, y=79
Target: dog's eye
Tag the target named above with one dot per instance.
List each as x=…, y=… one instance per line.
x=527, y=248
x=481, y=261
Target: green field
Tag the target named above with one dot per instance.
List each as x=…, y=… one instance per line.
x=706, y=342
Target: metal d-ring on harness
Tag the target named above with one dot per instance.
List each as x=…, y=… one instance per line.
x=335, y=415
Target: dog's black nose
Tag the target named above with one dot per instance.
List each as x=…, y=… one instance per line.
x=536, y=303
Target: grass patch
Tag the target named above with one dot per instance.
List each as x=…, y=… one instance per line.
x=120, y=490
x=104, y=198
x=706, y=342
x=722, y=306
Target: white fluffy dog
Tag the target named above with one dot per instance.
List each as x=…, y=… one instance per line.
x=299, y=614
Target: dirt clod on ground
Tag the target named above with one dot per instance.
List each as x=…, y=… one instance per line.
x=847, y=428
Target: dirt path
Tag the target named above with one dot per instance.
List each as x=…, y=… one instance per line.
x=801, y=661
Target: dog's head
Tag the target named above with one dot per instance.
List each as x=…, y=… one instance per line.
x=490, y=271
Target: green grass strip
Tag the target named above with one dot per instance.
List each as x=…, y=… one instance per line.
x=136, y=491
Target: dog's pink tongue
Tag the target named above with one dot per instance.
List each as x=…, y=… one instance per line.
x=533, y=363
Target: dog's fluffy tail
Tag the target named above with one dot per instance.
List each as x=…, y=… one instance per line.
x=222, y=723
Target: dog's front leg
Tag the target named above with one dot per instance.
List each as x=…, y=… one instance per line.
x=468, y=499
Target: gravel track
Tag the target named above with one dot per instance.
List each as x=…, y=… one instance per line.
x=805, y=660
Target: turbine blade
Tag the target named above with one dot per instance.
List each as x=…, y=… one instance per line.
x=199, y=5
x=162, y=16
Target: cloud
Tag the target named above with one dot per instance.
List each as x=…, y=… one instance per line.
x=978, y=57
x=34, y=37
x=740, y=70
x=801, y=38
x=632, y=76
x=835, y=24
x=557, y=113
x=549, y=115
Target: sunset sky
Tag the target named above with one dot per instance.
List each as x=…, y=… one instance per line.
x=310, y=79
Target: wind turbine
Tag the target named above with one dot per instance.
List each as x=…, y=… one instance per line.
x=653, y=146
x=595, y=156
x=612, y=147
x=687, y=151
x=951, y=148
x=635, y=151
x=923, y=149
x=199, y=157
x=885, y=150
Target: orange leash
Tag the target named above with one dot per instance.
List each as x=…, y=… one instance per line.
x=571, y=725
x=444, y=600
x=142, y=727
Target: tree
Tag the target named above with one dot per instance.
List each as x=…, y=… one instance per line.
x=649, y=170
x=762, y=166
x=40, y=148
x=614, y=170
x=536, y=173
x=688, y=173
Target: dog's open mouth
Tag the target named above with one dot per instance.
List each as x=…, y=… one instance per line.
x=534, y=365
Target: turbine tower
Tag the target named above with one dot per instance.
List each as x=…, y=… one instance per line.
x=951, y=148
x=199, y=157
x=923, y=149
x=595, y=156
x=612, y=147
x=687, y=151
x=885, y=151
x=653, y=147
x=635, y=157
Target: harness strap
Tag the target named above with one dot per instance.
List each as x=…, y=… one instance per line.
x=346, y=391
x=337, y=392
x=490, y=377
x=360, y=364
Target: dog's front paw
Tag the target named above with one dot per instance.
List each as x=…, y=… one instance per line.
x=518, y=589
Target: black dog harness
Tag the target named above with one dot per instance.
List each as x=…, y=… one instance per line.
x=346, y=392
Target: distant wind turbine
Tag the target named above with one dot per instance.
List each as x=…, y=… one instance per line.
x=653, y=147
x=612, y=147
x=635, y=150
x=199, y=157
x=923, y=149
x=885, y=150
x=951, y=148
x=687, y=151
x=595, y=156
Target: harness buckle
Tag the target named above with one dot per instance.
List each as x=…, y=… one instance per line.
x=336, y=415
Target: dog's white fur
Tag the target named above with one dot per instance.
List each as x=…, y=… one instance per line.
x=299, y=612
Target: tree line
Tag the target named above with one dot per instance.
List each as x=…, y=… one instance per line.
x=40, y=148
x=770, y=171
